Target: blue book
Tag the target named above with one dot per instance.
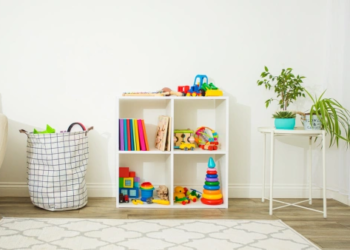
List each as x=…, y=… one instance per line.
x=125, y=136
x=132, y=135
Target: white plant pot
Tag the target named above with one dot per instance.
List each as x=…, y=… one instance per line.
x=315, y=124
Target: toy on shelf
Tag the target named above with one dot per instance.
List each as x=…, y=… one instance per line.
x=136, y=202
x=196, y=89
x=123, y=198
x=183, y=89
x=161, y=202
x=163, y=192
x=211, y=90
x=193, y=195
x=187, y=146
x=183, y=135
x=212, y=194
x=146, y=191
x=48, y=130
x=180, y=195
x=163, y=92
x=206, y=138
x=128, y=182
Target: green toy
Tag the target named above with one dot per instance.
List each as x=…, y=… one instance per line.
x=48, y=130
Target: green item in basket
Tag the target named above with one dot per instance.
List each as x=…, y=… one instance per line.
x=48, y=130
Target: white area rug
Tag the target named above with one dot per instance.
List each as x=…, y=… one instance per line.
x=105, y=234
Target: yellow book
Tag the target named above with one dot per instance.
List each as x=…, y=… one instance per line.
x=137, y=135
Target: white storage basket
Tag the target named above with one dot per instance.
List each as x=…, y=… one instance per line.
x=57, y=165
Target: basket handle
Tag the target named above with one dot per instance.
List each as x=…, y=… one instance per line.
x=91, y=128
x=24, y=132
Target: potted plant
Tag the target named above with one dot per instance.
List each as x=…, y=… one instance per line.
x=284, y=120
x=287, y=88
x=330, y=115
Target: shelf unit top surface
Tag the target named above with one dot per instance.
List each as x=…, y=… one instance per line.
x=172, y=97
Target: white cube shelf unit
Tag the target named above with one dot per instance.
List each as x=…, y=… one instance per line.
x=176, y=167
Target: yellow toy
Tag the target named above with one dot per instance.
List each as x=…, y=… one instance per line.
x=211, y=92
x=179, y=193
x=162, y=202
x=186, y=146
x=192, y=195
x=136, y=202
x=129, y=182
x=212, y=196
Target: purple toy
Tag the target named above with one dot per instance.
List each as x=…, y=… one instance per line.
x=211, y=179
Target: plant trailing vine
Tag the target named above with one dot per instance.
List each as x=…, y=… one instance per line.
x=288, y=86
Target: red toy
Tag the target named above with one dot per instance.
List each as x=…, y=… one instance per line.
x=123, y=172
x=132, y=174
x=183, y=89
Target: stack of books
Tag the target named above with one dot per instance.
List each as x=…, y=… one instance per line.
x=132, y=135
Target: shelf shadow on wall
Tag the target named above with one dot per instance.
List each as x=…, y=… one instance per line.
x=98, y=159
x=240, y=142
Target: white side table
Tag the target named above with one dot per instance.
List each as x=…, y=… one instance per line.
x=296, y=132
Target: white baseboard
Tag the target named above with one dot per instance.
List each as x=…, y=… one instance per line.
x=20, y=189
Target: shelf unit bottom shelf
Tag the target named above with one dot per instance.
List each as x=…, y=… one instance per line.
x=198, y=205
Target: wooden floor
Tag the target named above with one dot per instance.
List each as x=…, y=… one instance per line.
x=330, y=233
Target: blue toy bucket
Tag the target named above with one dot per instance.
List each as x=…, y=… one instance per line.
x=146, y=193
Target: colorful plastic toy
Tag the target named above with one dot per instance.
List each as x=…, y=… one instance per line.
x=187, y=146
x=206, y=138
x=211, y=193
x=183, y=200
x=211, y=90
x=146, y=191
x=179, y=193
x=192, y=195
x=48, y=130
x=128, y=182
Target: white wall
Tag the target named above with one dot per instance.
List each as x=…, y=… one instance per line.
x=65, y=61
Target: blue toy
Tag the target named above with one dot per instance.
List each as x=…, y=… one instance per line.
x=195, y=90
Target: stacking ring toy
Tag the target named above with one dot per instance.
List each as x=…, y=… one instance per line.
x=211, y=169
x=211, y=179
x=212, y=202
x=211, y=191
x=212, y=196
x=211, y=187
x=209, y=183
x=212, y=176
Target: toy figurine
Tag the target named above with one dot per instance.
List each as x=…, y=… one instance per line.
x=162, y=193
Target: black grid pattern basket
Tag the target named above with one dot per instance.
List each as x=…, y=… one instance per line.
x=57, y=165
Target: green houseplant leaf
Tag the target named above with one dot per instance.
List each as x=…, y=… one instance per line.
x=287, y=88
x=334, y=117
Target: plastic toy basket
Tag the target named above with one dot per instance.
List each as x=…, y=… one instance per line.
x=57, y=165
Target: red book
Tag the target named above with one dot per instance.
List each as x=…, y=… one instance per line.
x=128, y=129
x=141, y=136
x=145, y=134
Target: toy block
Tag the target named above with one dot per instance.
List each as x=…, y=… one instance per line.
x=128, y=182
x=136, y=179
x=123, y=191
x=132, y=174
x=124, y=172
x=136, y=184
x=133, y=192
x=121, y=182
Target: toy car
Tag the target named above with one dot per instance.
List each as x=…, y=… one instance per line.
x=187, y=146
x=123, y=198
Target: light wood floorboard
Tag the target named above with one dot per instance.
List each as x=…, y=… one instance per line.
x=331, y=233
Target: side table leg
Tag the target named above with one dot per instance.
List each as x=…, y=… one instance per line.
x=271, y=170
x=264, y=167
x=310, y=170
x=324, y=173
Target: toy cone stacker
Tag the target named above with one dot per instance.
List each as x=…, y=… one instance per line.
x=212, y=194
